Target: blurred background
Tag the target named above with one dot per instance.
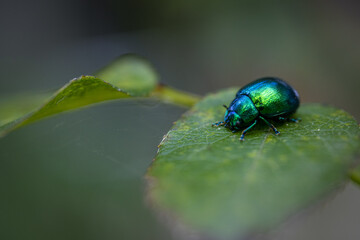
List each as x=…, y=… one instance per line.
x=80, y=175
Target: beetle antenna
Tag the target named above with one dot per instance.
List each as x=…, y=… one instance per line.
x=225, y=107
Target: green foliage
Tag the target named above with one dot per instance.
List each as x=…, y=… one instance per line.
x=203, y=176
x=355, y=175
x=15, y=107
x=132, y=74
x=211, y=182
x=78, y=93
x=128, y=76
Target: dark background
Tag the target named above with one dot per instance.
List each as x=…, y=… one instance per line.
x=79, y=175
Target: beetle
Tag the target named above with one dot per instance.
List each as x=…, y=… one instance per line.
x=265, y=98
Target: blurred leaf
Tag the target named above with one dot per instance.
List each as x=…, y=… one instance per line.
x=355, y=175
x=139, y=78
x=128, y=76
x=211, y=182
x=130, y=73
x=14, y=107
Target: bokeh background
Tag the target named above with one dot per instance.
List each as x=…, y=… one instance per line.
x=80, y=175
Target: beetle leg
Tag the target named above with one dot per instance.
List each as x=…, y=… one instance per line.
x=246, y=130
x=218, y=124
x=295, y=120
x=270, y=125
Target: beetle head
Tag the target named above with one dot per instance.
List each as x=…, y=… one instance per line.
x=232, y=120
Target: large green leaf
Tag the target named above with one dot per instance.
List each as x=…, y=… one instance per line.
x=211, y=182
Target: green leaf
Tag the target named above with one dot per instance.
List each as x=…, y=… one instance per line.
x=132, y=74
x=78, y=93
x=212, y=183
x=128, y=76
x=355, y=175
x=14, y=107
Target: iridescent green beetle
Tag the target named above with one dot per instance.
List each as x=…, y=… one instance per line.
x=265, y=98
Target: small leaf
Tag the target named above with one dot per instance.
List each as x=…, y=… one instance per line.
x=211, y=182
x=128, y=76
x=78, y=93
x=132, y=74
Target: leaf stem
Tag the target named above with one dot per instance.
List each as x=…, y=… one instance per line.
x=175, y=96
